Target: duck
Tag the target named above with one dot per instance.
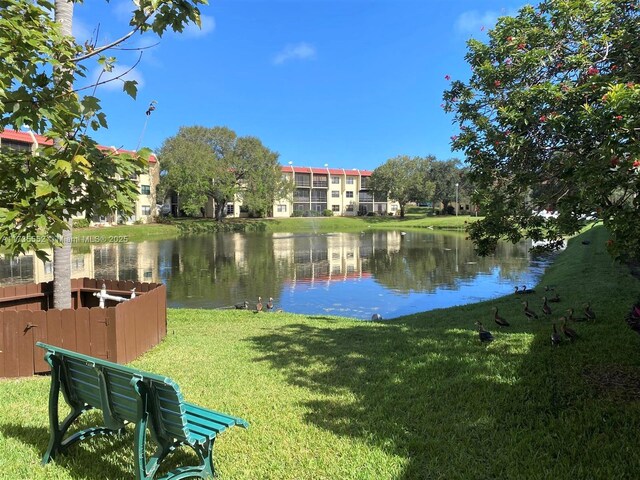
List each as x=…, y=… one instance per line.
x=570, y=333
x=259, y=305
x=500, y=321
x=528, y=312
x=571, y=318
x=588, y=312
x=546, y=309
x=270, y=304
x=556, y=338
x=242, y=306
x=485, y=335
x=527, y=290
x=518, y=291
x=555, y=299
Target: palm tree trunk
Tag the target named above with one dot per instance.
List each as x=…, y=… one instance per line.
x=62, y=254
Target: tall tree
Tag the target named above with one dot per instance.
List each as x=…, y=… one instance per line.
x=445, y=175
x=549, y=119
x=39, y=194
x=200, y=163
x=404, y=179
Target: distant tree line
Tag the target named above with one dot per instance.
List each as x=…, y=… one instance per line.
x=421, y=180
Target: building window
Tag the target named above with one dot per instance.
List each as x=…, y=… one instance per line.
x=394, y=208
x=281, y=208
x=230, y=209
x=335, y=180
x=335, y=208
x=335, y=194
x=364, y=182
x=349, y=208
x=351, y=180
x=320, y=181
x=146, y=210
x=303, y=180
x=349, y=194
x=145, y=190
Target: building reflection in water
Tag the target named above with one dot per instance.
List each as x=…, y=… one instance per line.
x=220, y=270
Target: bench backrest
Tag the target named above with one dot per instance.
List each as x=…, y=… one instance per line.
x=122, y=393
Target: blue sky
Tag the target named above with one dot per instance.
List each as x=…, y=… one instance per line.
x=348, y=83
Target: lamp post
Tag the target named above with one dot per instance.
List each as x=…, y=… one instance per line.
x=457, y=206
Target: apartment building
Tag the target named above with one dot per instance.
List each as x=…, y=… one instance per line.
x=147, y=182
x=344, y=192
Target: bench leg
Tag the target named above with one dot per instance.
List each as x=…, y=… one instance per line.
x=146, y=469
x=204, y=470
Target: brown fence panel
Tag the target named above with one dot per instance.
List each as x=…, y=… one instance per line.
x=11, y=346
x=40, y=334
x=2, y=344
x=68, y=329
x=83, y=331
x=162, y=312
x=25, y=343
x=54, y=328
x=90, y=283
x=128, y=320
x=98, y=332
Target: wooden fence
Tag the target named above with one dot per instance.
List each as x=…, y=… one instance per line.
x=119, y=333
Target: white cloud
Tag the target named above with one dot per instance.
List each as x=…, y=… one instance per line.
x=207, y=25
x=299, y=51
x=473, y=21
x=115, y=78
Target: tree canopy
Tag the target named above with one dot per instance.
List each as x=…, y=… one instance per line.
x=405, y=179
x=549, y=120
x=201, y=162
x=41, y=61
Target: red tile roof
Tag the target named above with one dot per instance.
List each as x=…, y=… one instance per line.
x=324, y=170
x=29, y=137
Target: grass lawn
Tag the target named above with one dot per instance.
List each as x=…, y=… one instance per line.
x=154, y=231
x=414, y=398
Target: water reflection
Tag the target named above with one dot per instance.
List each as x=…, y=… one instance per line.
x=346, y=274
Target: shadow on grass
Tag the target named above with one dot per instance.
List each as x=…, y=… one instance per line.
x=109, y=456
x=426, y=399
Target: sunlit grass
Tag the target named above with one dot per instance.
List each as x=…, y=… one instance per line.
x=414, y=398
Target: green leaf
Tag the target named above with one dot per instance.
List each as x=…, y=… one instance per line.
x=131, y=88
x=43, y=188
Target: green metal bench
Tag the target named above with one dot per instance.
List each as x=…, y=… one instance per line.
x=127, y=395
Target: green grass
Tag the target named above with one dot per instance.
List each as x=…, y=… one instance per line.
x=414, y=398
x=135, y=233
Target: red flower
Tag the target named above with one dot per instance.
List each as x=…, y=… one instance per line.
x=543, y=118
x=447, y=77
x=509, y=39
x=614, y=68
x=521, y=46
x=618, y=117
x=636, y=163
x=630, y=84
x=592, y=71
x=605, y=97
x=497, y=83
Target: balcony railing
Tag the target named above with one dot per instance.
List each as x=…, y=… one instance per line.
x=320, y=184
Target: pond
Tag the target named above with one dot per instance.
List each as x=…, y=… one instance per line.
x=350, y=274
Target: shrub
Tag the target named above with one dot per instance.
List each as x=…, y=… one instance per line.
x=81, y=223
x=327, y=213
x=297, y=213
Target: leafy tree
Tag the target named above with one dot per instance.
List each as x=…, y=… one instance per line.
x=41, y=60
x=445, y=175
x=404, y=179
x=201, y=163
x=549, y=119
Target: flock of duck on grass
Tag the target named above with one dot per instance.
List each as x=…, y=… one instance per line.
x=259, y=307
x=567, y=333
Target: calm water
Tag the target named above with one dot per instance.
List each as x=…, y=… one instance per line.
x=354, y=275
